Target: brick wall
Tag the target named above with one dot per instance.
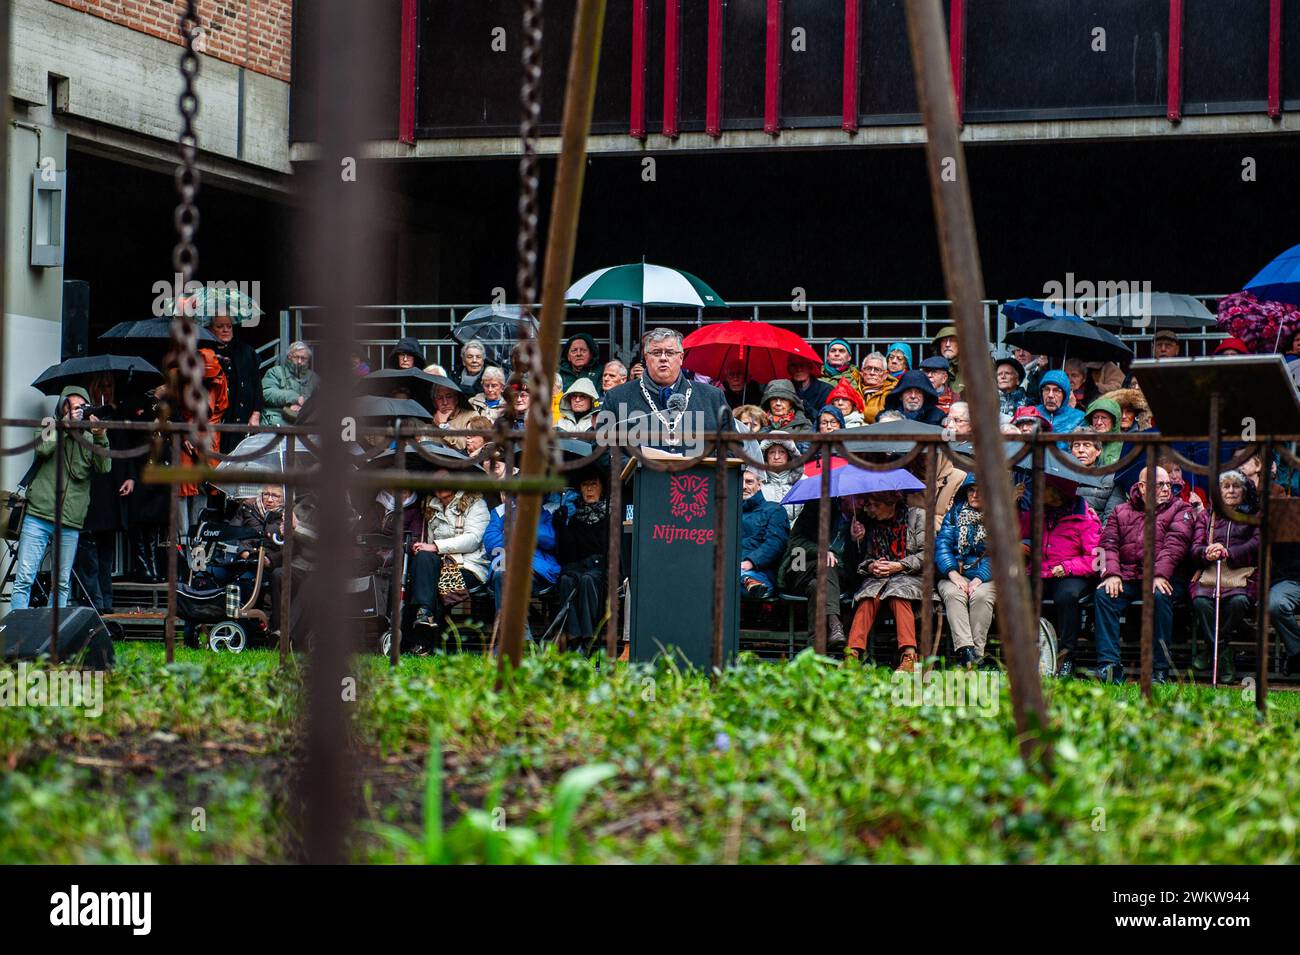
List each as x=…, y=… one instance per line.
x=255, y=34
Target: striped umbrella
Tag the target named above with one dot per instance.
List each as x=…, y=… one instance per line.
x=642, y=284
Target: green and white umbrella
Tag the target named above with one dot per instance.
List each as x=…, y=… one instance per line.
x=210, y=301
x=642, y=284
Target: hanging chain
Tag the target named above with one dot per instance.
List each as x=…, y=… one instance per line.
x=530, y=101
x=185, y=256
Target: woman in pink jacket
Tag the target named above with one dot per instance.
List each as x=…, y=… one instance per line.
x=1071, y=535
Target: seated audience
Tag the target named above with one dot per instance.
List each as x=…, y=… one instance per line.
x=286, y=386
x=889, y=545
x=898, y=359
x=936, y=369
x=1122, y=542
x=850, y=403
x=839, y=365
x=1227, y=553
x=1071, y=536
x=578, y=407
x=451, y=412
x=449, y=560
x=830, y=419
x=783, y=407
x=473, y=362
x=750, y=418
x=490, y=400
x=965, y=582
x=738, y=388
x=916, y=399
x=877, y=386
x=613, y=375
x=798, y=572
x=546, y=568
x=765, y=529
x=1009, y=374
x=811, y=392
x=582, y=545
x=958, y=421
x=1103, y=500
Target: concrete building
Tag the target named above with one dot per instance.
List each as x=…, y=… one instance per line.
x=93, y=90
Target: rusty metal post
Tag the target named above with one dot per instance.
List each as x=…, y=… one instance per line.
x=1036, y=533
x=821, y=599
x=286, y=561
x=721, y=580
x=1265, y=581
x=955, y=225
x=1149, y=495
x=56, y=558
x=928, y=648
x=399, y=557
x=173, y=529
x=614, y=575
x=570, y=168
x=337, y=228
x=6, y=114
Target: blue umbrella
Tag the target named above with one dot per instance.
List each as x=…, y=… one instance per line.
x=1023, y=310
x=847, y=479
x=1279, y=281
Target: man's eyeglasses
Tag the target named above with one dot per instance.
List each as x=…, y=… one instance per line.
x=1159, y=484
x=873, y=370
x=662, y=353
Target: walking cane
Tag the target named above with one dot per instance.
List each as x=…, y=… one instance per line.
x=1218, y=582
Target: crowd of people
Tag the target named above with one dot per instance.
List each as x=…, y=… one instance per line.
x=1091, y=558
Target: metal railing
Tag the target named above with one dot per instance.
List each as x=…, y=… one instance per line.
x=867, y=325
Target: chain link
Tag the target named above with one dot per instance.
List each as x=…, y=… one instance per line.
x=185, y=256
x=530, y=101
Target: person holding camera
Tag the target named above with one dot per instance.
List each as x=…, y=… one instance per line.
x=80, y=464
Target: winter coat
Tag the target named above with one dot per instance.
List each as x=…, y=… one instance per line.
x=281, y=386
x=947, y=483
x=803, y=541
x=109, y=510
x=873, y=401
x=1131, y=399
x=1071, y=535
x=765, y=529
x=457, y=422
x=579, y=542
x=469, y=384
x=407, y=346
x=751, y=394
x=1122, y=537
x=457, y=527
x=969, y=558
x=1110, y=451
x=569, y=419
x=929, y=413
x=813, y=395
x=243, y=378
x=1242, y=541
x=906, y=584
x=784, y=388
x=478, y=404
x=545, y=564
x=1064, y=418
x=1010, y=401
x=1103, y=500
x=80, y=464
x=378, y=519
x=569, y=374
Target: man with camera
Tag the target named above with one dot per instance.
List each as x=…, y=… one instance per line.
x=43, y=498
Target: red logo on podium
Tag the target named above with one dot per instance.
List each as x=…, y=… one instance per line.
x=688, y=496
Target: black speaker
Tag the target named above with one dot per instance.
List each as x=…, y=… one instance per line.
x=82, y=636
x=76, y=319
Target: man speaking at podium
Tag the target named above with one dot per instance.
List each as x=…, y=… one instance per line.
x=663, y=409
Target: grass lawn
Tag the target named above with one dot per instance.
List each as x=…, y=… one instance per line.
x=798, y=762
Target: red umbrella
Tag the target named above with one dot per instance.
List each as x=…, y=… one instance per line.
x=763, y=350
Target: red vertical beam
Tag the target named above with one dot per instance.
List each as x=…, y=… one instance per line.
x=850, y=119
x=637, y=123
x=1174, y=109
x=1275, y=58
x=957, y=54
x=772, y=75
x=713, y=83
x=672, y=65
x=406, y=100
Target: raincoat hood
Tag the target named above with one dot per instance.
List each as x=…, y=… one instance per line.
x=581, y=386
x=779, y=388
x=407, y=346
x=1058, y=378
x=906, y=349
x=70, y=390
x=591, y=346
x=843, y=389
x=1108, y=405
x=831, y=410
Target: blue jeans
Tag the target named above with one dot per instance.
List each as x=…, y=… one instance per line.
x=1283, y=603
x=37, y=535
x=1108, y=610
x=759, y=592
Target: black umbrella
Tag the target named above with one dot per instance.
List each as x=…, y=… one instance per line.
x=890, y=429
x=1022, y=460
x=418, y=384
x=497, y=328
x=375, y=406
x=75, y=370
x=1069, y=338
x=444, y=455
x=152, y=332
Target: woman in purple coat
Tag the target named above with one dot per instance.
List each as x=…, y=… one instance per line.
x=1228, y=553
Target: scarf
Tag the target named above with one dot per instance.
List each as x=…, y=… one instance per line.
x=594, y=513
x=779, y=421
x=386, y=498
x=970, y=529
x=887, y=540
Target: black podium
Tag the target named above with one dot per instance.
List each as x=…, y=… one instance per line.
x=673, y=546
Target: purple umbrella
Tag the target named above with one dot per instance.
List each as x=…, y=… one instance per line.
x=847, y=479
